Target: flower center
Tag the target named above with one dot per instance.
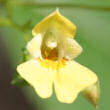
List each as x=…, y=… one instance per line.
x=51, y=54
x=49, y=47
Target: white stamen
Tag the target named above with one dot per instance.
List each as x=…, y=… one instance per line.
x=51, y=44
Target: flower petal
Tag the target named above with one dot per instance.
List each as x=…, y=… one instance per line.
x=55, y=21
x=34, y=46
x=71, y=48
x=71, y=79
x=37, y=76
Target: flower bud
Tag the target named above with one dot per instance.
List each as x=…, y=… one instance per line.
x=92, y=93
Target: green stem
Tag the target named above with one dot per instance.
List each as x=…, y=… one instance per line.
x=62, y=5
x=8, y=23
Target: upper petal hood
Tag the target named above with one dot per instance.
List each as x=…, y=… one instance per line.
x=56, y=22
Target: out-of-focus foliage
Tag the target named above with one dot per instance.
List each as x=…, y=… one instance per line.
x=18, y=17
x=18, y=81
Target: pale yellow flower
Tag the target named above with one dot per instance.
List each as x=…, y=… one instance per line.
x=53, y=50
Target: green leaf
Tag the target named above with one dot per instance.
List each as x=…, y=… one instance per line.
x=21, y=15
x=18, y=80
x=26, y=55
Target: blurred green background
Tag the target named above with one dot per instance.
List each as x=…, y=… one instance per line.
x=92, y=18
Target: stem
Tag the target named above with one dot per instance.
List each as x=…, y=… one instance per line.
x=7, y=22
x=60, y=5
